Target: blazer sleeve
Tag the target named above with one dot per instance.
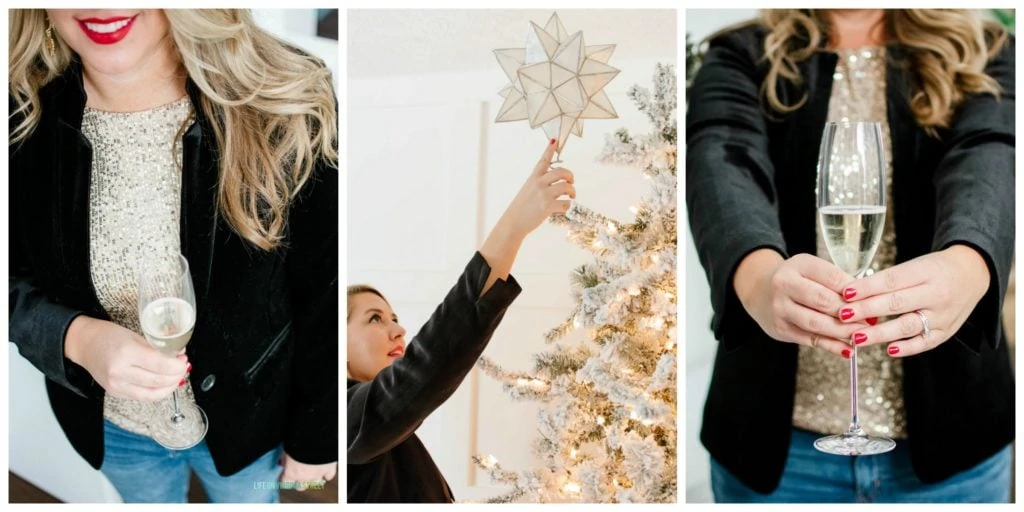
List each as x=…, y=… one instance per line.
x=312, y=265
x=37, y=323
x=387, y=410
x=730, y=180
x=974, y=187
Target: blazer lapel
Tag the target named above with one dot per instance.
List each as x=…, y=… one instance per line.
x=199, y=181
x=72, y=162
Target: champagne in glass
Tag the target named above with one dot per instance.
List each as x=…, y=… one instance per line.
x=167, y=314
x=167, y=323
x=851, y=209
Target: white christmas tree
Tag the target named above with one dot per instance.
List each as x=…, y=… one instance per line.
x=608, y=421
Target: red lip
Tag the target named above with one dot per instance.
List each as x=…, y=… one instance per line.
x=111, y=37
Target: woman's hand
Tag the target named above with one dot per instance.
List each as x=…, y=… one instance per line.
x=122, y=362
x=304, y=474
x=536, y=201
x=944, y=286
x=538, y=197
x=796, y=300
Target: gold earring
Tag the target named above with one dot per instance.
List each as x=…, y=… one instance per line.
x=51, y=41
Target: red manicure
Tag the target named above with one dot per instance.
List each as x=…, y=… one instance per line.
x=846, y=353
x=845, y=313
x=849, y=293
x=553, y=141
x=182, y=383
x=872, y=321
x=860, y=338
x=188, y=369
x=893, y=350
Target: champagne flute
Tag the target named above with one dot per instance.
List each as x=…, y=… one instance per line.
x=167, y=314
x=851, y=210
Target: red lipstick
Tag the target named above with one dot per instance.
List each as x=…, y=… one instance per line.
x=107, y=30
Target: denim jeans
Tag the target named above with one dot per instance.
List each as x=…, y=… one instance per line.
x=811, y=476
x=142, y=471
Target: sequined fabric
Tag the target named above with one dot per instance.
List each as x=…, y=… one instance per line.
x=822, y=401
x=134, y=213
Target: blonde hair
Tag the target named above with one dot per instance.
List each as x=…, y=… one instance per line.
x=357, y=289
x=946, y=51
x=272, y=108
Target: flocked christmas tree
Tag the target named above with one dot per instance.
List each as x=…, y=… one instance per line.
x=607, y=425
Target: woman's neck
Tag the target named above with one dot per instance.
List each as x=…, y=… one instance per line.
x=856, y=28
x=157, y=81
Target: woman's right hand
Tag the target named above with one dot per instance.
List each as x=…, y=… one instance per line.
x=538, y=198
x=122, y=362
x=796, y=300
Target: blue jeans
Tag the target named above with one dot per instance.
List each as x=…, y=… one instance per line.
x=142, y=471
x=811, y=476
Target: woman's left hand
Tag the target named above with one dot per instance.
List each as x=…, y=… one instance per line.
x=304, y=474
x=944, y=286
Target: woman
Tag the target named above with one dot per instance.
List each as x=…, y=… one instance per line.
x=392, y=388
x=942, y=85
x=136, y=133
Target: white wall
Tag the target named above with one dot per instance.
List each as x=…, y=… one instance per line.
x=39, y=452
x=429, y=173
x=700, y=342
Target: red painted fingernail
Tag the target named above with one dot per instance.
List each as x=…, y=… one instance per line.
x=188, y=369
x=553, y=141
x=846, y=313
x=893, y=350
x=849, y=293
x=182, y=383
x=846, y=353
x=872, y=321
x=860, y=338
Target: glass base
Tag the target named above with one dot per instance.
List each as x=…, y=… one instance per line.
x=850, y=444
x=185, y=433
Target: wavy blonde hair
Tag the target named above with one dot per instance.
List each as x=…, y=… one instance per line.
x=946, y=50
x=272, y=107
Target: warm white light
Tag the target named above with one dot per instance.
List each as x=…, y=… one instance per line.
x=572, y=487
x=612, y=228
x=600, y=420
x=647, y=423
x=633, y=415
x=634, y=209
x=489, y=462
x=572, y=453
x=521, y=382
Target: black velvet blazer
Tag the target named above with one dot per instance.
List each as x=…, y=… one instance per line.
x=265, y=345
x=750, y=184
x=386, y=461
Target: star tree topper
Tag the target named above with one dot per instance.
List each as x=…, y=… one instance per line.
x=557, y=81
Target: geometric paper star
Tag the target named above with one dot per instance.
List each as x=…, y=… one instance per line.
x=556, y=81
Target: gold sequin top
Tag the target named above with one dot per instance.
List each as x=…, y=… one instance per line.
x=134, y=211
x=822, y=401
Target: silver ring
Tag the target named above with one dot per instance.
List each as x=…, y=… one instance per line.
x=924, y=322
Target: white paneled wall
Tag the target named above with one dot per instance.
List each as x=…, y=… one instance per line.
x=700, y=343
x=429, y=173
x=39, y=452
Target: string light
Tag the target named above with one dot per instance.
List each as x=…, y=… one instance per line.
x=600, y=420
x=572, y=453
x=572, y=487
x=489, y=462
x=612, y=228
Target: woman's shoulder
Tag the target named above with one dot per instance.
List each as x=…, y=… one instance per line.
x=746, y=36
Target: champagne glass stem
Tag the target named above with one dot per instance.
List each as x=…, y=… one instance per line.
x=854, y=403
x=178, y=416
